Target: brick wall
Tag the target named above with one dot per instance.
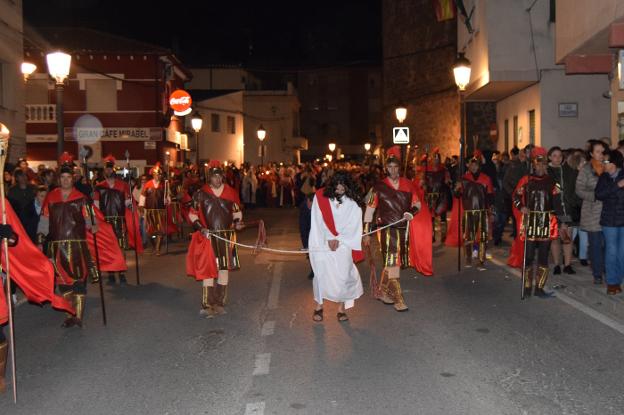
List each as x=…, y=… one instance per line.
x=418, y=55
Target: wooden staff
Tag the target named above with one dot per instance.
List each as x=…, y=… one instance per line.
x=4, y=146
x=83, y=156
x=134, y=227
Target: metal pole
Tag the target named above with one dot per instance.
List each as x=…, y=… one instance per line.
x=134, y=227
x=5, y=246
x=60, y=128
x=197, y=148
x=460, y=174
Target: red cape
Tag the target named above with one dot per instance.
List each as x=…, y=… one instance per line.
x=133, y=226
x=328, y=218
x=421, y=248
x=30, y=269
x=200, y=260
x=111, y=257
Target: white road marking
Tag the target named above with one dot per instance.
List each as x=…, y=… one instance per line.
x=607, y=321
x=275, y=286
x=268, y=328
x=262, y=364
x=255, y=408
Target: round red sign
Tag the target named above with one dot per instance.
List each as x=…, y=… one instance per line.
x=180, y=102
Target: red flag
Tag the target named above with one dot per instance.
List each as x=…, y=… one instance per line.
x=111, y=257
x=444, y=9
x=30, y=269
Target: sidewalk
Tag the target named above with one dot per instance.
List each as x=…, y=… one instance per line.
x=579, y=286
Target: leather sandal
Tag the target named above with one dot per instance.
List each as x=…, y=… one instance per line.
x=318, y=315
x=342, y=316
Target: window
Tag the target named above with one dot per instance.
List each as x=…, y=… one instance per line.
x=214, y=123
x=231, y=125
x=506, y=136
x=101, y=95
x=532, y=127
x=515, y=131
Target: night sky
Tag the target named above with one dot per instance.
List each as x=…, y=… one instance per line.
x=273, y=34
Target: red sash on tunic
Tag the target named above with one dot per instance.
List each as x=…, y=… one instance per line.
x=328, y=218
x=200, y=260
x=30, y=269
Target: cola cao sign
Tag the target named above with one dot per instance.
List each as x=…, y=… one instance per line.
x=180, y=102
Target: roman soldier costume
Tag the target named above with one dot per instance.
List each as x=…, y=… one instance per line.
x=476, y=194
x=112, y=197
x=153, y=204
x=538, y=196
x=216, y=215
x=389, y=201
x=437, y=191
x=65, y=221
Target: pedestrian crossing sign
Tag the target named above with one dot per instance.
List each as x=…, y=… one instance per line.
x=400, y=135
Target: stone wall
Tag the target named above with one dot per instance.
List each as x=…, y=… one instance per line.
x=418, y=55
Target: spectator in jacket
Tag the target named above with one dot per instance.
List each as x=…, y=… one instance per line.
x=591, y=208
x=565, y=177
x=610, y=190
x=517, y=168
x=577, y=160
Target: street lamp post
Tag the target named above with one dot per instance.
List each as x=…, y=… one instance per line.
x=28, y=69
x=261, y=133
x=400, y=113
x=196, y=124
x=332, y=148
x=367, y=147
x=58, y=67
x=461, y=73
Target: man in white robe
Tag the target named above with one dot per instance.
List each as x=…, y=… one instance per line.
x=335, y=240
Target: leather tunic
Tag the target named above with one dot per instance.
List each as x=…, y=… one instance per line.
x=538, y=197
x=67, y=221
x=155, y=197
x=473, y=195
x=391, y=203
x=216, y=211
x=112, y=201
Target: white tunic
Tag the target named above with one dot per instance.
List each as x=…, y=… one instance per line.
x=335, y=276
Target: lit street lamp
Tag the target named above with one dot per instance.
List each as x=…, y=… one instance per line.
x=28, y=69
x=401, y=113
x=196, y=124
x=332, y=147
x=461, y=73
x=261, y=133
x=367, y=147
x=58, y=67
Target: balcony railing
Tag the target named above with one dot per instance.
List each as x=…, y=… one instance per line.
x=41, y=113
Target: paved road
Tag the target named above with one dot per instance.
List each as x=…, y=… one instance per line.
x=467, y=346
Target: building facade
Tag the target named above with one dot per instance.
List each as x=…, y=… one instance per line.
x=278, y=113
x=513, y=65
x=221, y=136
x=418, y=55
x=589, y=41
x=115, y=99
x=11, y=83
x=342, y=106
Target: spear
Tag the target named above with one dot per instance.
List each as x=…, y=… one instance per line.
x=4, y=145
x=134, y=228
x=166, y=192
x=83, y=156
